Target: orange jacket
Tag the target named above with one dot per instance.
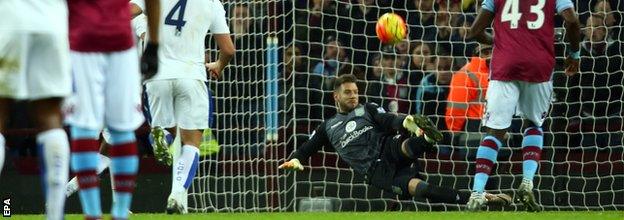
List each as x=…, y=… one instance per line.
x=467, y=94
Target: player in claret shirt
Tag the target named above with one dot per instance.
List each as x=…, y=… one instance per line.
x=521, y=68
x=107, y=93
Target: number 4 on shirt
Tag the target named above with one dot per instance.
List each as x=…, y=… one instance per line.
x=179, y=22
x=511, y=13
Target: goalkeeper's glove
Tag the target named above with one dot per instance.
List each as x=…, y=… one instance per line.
x=421, y=126
x=292, y=164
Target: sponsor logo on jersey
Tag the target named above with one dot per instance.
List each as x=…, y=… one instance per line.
x=354, y=135
x=350, y=126
x=335, y=125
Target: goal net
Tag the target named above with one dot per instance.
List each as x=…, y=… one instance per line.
x=278, y=89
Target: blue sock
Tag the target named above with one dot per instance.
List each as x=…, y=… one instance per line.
x=486, y=158
x=124, y=167
x=532, y=145
x=84, y=162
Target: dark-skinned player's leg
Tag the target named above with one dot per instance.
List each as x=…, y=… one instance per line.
x=4, y=115
x=53, y=147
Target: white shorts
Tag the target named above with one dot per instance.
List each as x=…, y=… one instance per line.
x=107, y=91
x=185, y=103
x=508, y=98
x=34, y=65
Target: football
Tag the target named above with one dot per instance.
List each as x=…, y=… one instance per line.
x=391, y=28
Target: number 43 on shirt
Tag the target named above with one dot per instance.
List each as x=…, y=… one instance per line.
x=511, y=13
x=179, y=22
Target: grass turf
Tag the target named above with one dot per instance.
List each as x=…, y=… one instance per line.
x=563, y=215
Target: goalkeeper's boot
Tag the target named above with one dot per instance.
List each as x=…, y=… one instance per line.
x=161, y=146
x=476, y=202
x=209, y=144
x=429, y=129
x=500, y=199
x=527, y=198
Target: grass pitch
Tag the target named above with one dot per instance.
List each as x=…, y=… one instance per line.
x=563, y=215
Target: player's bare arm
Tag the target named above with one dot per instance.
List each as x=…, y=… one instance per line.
x=573, y=34
x=477, y=31
x=152, y=8
x=135, y=10
x=149, y=60
x=226, y=52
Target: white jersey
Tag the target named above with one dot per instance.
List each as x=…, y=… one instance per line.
x=184, y=25
x=41, y=16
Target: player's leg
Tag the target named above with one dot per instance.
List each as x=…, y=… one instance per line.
x=502, y=99
x=4, y=114
x=13, y=55
x=123, y=116
x=49, y=81
x=72, y=185
x=418, y=188
x=158, y=100
x=407, y=177
x=85, y=115
x=533, y=105
x=192, y=113
x=209, y=144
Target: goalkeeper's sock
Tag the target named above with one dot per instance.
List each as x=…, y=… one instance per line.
x=184, y=168
x=84, y=162
x=1, y=152
x=124, y=167
x=532, y=144
x=54, y=150
x=437, y=194
x=486, y=158
x=72, y=185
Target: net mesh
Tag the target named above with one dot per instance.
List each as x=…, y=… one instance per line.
x=278, y=89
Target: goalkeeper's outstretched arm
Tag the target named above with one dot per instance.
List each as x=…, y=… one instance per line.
x=386, y=121
x=317, y=141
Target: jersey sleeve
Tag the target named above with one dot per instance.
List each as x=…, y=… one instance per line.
x=219, y=24
x=563, y=5
x=488, y=5
x=318, y=139
x=386, y=121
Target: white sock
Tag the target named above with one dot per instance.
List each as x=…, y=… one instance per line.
x=55, y=151
x=182, y=166
x=1, y=152
x=72, y=185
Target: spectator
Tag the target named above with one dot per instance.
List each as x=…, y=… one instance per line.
x=295, y=72
x=603, y=8
x=595, y=96
x=421, y=19
x=422, y=61
x=467, y=92
x=432, y=95
x=333, y=57
x=403, y=49
x=360, y=21
x=600, y=53
x=391, y=90
x=460, y=46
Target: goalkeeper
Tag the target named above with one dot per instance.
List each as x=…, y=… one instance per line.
x=366, y=138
